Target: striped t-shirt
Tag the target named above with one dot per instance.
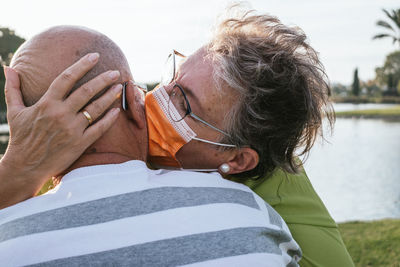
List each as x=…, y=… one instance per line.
x=126, y=214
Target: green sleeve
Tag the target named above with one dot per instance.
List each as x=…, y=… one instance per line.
x=310, y=223
x=321, y=246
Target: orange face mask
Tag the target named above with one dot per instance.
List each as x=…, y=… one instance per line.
x=166, y=136
x=166, y=133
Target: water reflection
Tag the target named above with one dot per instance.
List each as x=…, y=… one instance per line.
x=357, y=174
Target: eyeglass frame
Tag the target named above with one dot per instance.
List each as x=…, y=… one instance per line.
x=189, y=108
x=124, y=101
x=190, y=112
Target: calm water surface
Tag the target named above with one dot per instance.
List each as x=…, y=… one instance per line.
x=357, y=174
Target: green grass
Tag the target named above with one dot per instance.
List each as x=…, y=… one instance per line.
x=371, y=113
x=375, y=243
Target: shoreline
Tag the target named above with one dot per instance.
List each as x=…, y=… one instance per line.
x=369, y=220
x=366, y=99
x=395, y=118
x=392, y=113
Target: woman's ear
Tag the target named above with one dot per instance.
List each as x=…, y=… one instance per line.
x=135, y=99
x=245, y=159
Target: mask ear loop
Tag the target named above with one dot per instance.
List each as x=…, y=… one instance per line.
x=213, y=143
x=199, y=170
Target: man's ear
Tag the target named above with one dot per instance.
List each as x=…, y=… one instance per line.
x=135, y=99
x=245, y=159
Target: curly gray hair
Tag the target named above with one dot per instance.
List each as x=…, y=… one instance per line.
x=282, y=85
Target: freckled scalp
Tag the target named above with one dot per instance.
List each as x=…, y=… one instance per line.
x=42, y=58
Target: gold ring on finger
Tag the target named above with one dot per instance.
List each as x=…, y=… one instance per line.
x=87, y=116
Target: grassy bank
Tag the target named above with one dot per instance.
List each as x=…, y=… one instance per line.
x=375, y=243
x=366, y=99
x=371, y=113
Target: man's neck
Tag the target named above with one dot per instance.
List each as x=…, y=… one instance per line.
x=96, y=158
x=121, y=143
x=99, y=158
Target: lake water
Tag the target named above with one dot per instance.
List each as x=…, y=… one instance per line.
x=356, y=174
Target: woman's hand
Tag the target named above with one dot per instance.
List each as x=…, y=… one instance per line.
x=48, y=137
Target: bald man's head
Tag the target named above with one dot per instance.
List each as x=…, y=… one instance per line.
x=42, y=58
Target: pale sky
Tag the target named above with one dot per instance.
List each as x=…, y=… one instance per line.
x=341, y=31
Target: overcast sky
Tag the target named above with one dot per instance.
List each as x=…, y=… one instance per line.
x=341, y=30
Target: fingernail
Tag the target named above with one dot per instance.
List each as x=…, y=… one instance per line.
x=115, y=111
x=118, y=90
x=114, y=74
x=93, y=57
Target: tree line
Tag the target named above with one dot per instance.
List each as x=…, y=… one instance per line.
x=387, y=77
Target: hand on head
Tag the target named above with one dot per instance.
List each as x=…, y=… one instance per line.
x=47, y=137
x=54, y=130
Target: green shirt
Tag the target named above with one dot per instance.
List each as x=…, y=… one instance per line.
x=310, y=223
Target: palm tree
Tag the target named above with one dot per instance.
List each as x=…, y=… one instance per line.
x=394, y=17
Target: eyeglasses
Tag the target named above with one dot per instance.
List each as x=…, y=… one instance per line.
x=177, y=96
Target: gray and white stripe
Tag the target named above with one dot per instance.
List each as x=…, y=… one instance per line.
x=191, y=248
x=104, y=210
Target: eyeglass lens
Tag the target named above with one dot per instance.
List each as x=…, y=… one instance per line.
x=169, y=71
x=177, y=105
x=174, y=60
